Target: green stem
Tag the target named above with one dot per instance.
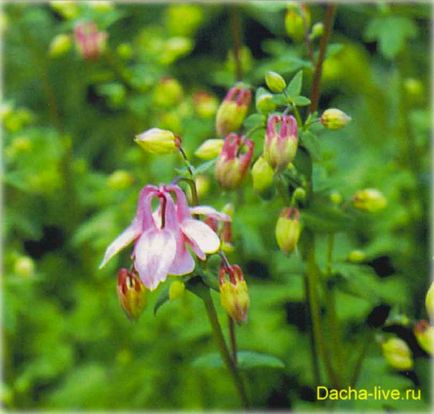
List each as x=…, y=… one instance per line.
x=236, y=40
x=233, y=339
x=186, y=161
x=359, y=363
x=224, y=352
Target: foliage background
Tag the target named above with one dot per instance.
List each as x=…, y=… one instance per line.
x=69, y=125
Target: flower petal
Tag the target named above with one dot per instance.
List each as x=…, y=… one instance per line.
x=123, y=240
x=201, y=234
x=210, y=212
x=154, y=254
x=183, y=263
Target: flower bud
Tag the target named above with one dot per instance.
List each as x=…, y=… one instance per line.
x=317, y=30
x=125, y=51
x=205, y=104
x=334, y=118
x=288, y=229
x=209, y=149
x=176, y=290
x=429, y=302
x=356, y=256
x=131, y=293
x=275, y=82
x=264, y=101
x=101, y=6
x=299, y=195
x=120, y=180
x=60, y=45
x=232, y=163
x=233, y=110
x=24, y=266
x=158, y=141
x=168, y=92
x=262, y=175
x=297, y=21
x=90, y=42
x=280, y=146
x=370, y=200
x=234, y=296
x=413, y=87
x=336, y=197
x=424, y=333
x=67, y=9
x=202, y=185
x=397, y=354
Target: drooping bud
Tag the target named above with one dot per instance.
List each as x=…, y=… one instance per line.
x=131, y=293
x=176, y=289
x=424, y=333
x=288, y=229
x=209, y=149
x=158, y=141
x=205, y=104
x=297, y=21
x=233, y=110
x=90, y=42
x=280, y=146
x=168, y=92
x=334, y=118
x=264, y=101
x=262, y=175
x=356, y=256
x=232, y=163
x=60, y=45
x=429, y=302
x=370, y=200
x=24, y=266
x=275, y=82
x=397, y=354
x=234, y=296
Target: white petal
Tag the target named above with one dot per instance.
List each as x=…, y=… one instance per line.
x=201, y=234
x=154, y=255
x=211, y=212
x=183, y=264
x=122, y=241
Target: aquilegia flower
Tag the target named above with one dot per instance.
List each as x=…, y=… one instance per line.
x=162, y=238
x=89, y=40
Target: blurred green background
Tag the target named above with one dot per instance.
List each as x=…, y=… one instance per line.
x=72, y=174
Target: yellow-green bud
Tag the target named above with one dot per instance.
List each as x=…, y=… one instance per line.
x=158, y=141
x=413, y=87
x=67, y=9
x=288, y=229
x=211, y=148
x=168, y=92
x=297, y=21
x=264, y=101
x=429, y=302
x=262, y=175
x=336, y=197
x=397, y=354
x=60, y=45
x=202, y=185
x=370, y=200
x=101, y=6
x=234, y=295
x=131, y=293
x=120, y=179
x=299, y=194
x=176, y=290
x=275, y=82
x=24, y=266
x=205, y=104
x=356, y=256
x=424, y=333
x=125, y=51
x=334, y=118
x=317, y=30
x=183, y=19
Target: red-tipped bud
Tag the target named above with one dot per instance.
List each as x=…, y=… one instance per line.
x=233, y=110
x=424, y=333
x=234, y=295
x=281, y=141
x=90, y=42
x=131, y=293
x=232, y=163
x=288, y=229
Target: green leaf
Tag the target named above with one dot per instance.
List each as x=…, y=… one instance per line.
x=301, y=101
x=197, y=286
x=204, y=167
x=294, y=87
x=246, y=360
x=311, y=143
x=279, y=99
x=163, y=297
x=254, y=121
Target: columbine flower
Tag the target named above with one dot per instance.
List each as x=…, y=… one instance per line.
x=288, y=229
x=131, y=294
x=233, y=110
x=89, y=40
x=161, y=237
x=232, y=164
x=280, y=146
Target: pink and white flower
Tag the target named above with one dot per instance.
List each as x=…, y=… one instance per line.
x=89, y=41
x=163, y=237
